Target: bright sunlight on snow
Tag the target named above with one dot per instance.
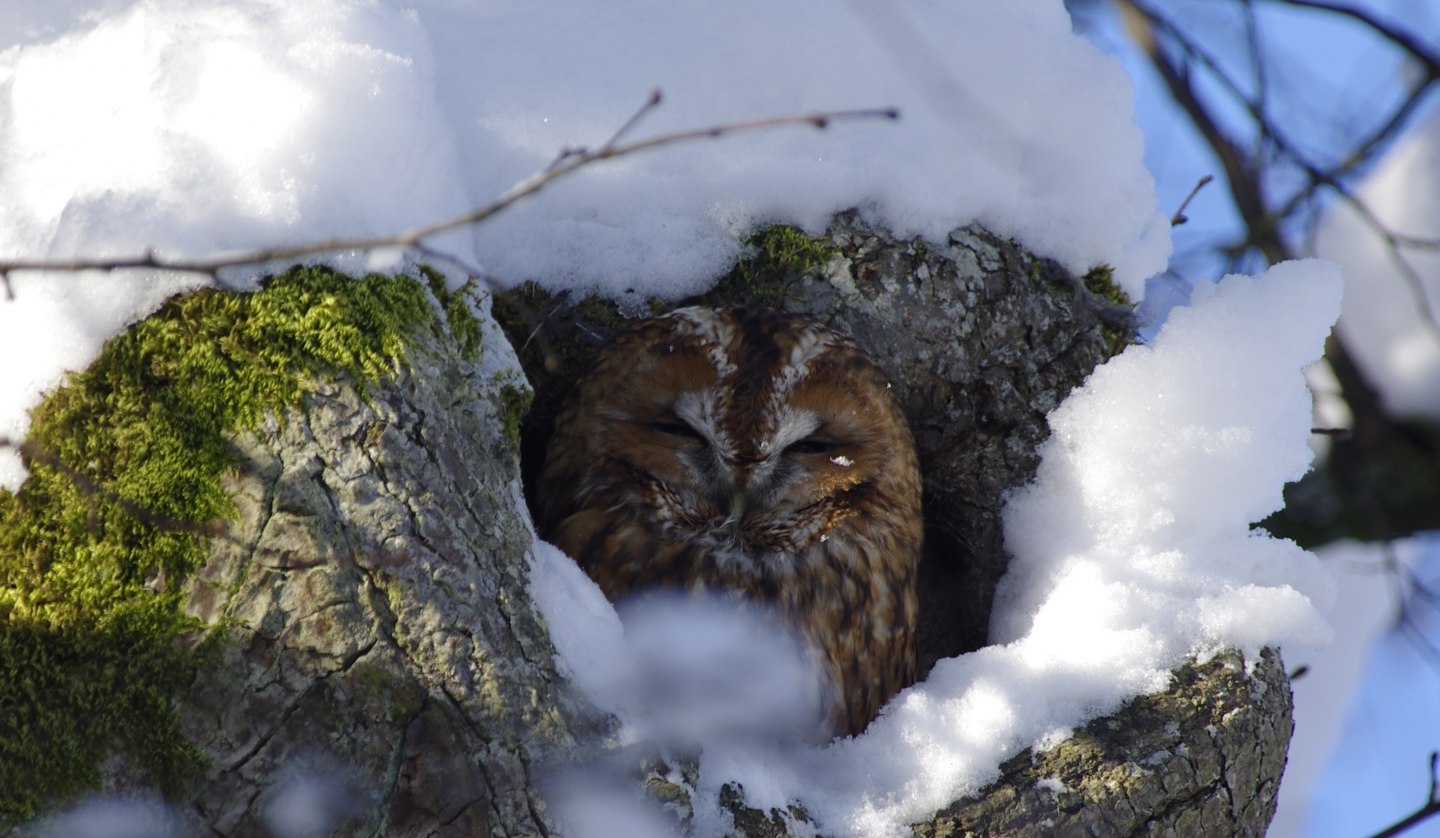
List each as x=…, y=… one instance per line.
x=197, y=126
x=202, y=126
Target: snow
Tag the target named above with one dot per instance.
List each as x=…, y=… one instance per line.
x=1132, y=551
x=114, y=817
x=202, y=126
x=1391, y=322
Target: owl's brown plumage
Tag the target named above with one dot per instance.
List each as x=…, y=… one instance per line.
x=746, y=450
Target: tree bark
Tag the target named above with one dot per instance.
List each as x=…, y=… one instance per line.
x=382, y=662
x=1202, y=758
x=382, y=659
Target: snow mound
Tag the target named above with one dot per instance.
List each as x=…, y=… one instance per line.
x=203, y=126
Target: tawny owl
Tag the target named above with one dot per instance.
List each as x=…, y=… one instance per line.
x=747, y=450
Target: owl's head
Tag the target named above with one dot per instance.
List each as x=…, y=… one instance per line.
x=741, y=426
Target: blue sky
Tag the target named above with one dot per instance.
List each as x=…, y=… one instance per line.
x=1330, y=81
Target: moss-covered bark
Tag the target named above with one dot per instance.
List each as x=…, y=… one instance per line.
x=366, y=600
x=125, y=496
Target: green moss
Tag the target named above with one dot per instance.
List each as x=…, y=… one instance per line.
x=599, y=314
x=1100, y=281
x=126, y=460
x=398, y=698
x=465, y=327
x=788, y=249
x=775, y=257
x=515, y=401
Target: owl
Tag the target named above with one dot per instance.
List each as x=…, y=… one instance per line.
x=748, y=452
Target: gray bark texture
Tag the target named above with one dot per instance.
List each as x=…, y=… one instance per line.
x=384, y=662
x=382, y=644
x=1202, y=758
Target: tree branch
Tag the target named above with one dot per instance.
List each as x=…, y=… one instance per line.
x=1417, y=49
x=568, y=162
x=1245, y=189
x=1179, y=217
x=1431, y=807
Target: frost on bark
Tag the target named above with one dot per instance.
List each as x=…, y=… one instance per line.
x=380, y=655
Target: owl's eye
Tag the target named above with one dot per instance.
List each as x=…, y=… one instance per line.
x=676, y=428
x=810, y=445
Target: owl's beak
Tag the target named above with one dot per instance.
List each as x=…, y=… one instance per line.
x=738, y=502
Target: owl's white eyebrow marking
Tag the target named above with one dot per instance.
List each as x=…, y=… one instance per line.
x=792, y=426
x=809, y=345
x=698, y=408
x=714, y=333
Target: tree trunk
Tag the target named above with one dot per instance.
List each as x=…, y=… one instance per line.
x=380, y=661
x=383, y=660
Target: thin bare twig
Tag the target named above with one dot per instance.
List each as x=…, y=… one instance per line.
x=651, y=103
x=1431, y=807
x=1179, y=217
x=566, y=164
x=1417, y=49
x=1246, y=192
x=1414, y=282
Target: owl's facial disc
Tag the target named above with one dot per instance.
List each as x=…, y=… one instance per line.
x=749, y=452
x=732, y=484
